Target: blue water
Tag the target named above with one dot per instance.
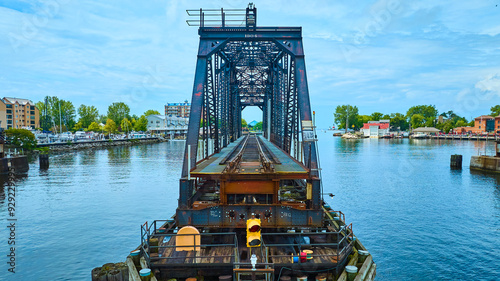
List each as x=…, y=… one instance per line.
x=419, y=219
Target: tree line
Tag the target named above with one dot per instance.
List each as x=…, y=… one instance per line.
x=416, y=116
x=60, y=115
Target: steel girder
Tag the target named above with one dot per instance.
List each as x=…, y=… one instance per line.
x=240, y=67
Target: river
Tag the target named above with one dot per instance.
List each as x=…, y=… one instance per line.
x=419, y=219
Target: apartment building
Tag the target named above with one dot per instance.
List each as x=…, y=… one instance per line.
x=178, y=109
x=18, y=113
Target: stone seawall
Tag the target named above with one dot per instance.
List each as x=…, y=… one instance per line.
x=98, y=144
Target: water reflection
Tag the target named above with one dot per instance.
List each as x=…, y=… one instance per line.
x=4, y=184
x=119, y=154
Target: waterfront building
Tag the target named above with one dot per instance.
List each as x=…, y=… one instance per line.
x=170, y=125
x=18, y=113
x=178, y=109
x=376, y=129
x=497, y=124
x=482, y=125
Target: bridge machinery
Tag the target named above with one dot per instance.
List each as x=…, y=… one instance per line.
x=249, y=204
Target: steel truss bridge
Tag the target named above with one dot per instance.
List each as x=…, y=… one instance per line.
x=237, y=67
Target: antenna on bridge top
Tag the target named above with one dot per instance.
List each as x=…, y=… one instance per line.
x=224, y=17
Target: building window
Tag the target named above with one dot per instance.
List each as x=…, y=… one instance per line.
x=32, y=122
x=9, y=105
x=9, y=110
x=32, y=113
x=9, y=122
x=479, y=126
x=9, y=116
x=32, y=107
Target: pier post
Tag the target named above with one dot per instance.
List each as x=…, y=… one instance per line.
x=456, y=161
x=43, y=159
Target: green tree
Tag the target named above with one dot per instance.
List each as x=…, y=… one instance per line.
x=126, y=125
x=417, y=120
x=345, y=112
x=428, y=113
x=117, y=111
x=94, y=127
x=398, y=120
x=151, y=112
x=110, y=126
x=88, y=114
x=78, y=126
x=61, y=112
x=22, y=138
x=362, y=119
x=141, y=125
x=376, y=116
x=102, y=119
x=258, y=126
x=243, y=123
x=495, y=110
x=461, y=123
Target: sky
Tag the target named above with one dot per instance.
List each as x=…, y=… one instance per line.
x=383, y=56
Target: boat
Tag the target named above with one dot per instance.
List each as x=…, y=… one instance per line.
x=419, y=135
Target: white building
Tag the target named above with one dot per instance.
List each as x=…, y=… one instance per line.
x=161, y=124
x=376, y=129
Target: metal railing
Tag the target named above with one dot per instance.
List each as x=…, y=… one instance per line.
x=306, y=240
x=150, y=231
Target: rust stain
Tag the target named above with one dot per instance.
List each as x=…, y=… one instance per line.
x=198, y=94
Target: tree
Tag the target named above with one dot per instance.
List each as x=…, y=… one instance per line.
x=376, y=116
x=141, y=125
x=102, y=119
x=151, y=112
x=61, y=112
x=362, y=119
x=258, y=126
x=461, y=123
x=417, y=120
x=110, y=126
x=495, y=110
x=117, y=111
x=428, y=113
x=125, y=125
x=22, y=137
x=88, y=114
x=78, y=126
x=398, y=120
x=243, y=123
x=343, y=113
x=94, y=127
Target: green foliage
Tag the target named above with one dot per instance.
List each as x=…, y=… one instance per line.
x=495, y=110
x=258, y=126
x=361, y=120
x=110, y=126
x=78, y=126
x=343, y=112
x=88, y=114
x=427, y=112
x=59, y=112
x=461, y=123
x=141, y=124
x=244, y=123
x=399, y=120
x=94, y=127
x=376, y=116
x=117, y=111
x=151, y=112
x=102, y=119
x=126, y=125
x=22, y=138
x=417, y=120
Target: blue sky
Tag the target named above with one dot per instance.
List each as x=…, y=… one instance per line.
x=381, y=56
